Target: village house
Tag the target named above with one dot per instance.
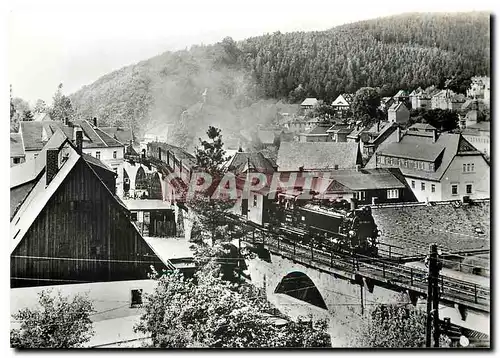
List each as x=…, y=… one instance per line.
x=369, y=186
x=474, y=127
x=402, y=97
x=447, y=99
x=316, y=134
x=17, y=155
x=308, y=104
x=339, y=132
x=436, y=166
x=479, y=88
x=386, y=103
x=369, y=138
x=253, y=207
x=342, y=105
x=398, y=113
x=296, y=156
x=60, y=195
x=95, y=142
x=420, y=99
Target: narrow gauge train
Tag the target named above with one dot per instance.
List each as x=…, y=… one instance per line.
x=339, y=227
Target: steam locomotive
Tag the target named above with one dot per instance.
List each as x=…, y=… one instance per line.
x=330, y=226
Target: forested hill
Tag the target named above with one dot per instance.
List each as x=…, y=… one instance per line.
x=242, y=78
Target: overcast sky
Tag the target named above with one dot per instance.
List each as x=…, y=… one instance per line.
x=76, y=42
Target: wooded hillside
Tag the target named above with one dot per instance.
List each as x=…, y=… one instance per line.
x=244, y=80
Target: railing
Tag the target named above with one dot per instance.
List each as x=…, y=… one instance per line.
x=382, y=270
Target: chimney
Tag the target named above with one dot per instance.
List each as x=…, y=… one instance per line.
x=434, y=135
x=398, y=134
x=353, y=204
x=52, y=164
x=159, y=153
x=143, y=154
x=66, y=120
x=378, y=126
x=95, y=121
x=79, y=142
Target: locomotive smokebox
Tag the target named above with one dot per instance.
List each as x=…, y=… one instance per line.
x=353, y=204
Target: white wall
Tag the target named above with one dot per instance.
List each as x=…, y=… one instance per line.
x=427, y=194
x=480, y=178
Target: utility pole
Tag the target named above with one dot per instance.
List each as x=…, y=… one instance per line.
x=433, y=297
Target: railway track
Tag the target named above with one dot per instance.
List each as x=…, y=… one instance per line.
x=384, y=271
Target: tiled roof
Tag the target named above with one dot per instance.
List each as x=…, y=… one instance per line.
x=423, y=148
x=94, y=161
x=29, y=170
x=258, y=162
x=18, y=194
x=16, y=145
x=317, y=155
x=396, y=106
x=401, y=93
x=187, y=158
x=33, y=134
x=480, y=126
x=121, y=134
x=422, y=127
x=449, y=224
x=309, y=102
x=366, y=179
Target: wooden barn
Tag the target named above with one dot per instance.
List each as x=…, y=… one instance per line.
x=67, y=224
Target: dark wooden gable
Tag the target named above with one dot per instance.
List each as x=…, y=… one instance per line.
x=83, y=234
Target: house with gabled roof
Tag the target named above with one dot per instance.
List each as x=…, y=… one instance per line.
x=342, y=104
x=447, y=99
x=339, y=132
x=315, y=134
x=401, y=96
x=38, y=117
x=317, y=156
x=420, y=98
x=369, y=186
x=67, y=225
x=437, y=166
x=96, y=142
x=398, y=113
x=309, y=103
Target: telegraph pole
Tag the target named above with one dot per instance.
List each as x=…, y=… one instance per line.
x=432, y=297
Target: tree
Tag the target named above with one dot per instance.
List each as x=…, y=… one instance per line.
x=209, y=312
x=365, y=104
x=211, y=212
x=443, y=119
x=28, y=116
x=61, y=106
x=40, y=106
x=60, y=323
x=398, y=325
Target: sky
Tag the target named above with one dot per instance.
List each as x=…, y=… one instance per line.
x=75, y=42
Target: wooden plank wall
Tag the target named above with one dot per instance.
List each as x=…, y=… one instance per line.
x=82, y=234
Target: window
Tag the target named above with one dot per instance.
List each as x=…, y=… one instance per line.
x=422, y=186
x=115, y=170
x=255, y=200
x=98, y=155
x=454, y=189
x=17, y=160
x=468, y=167
x=468, y=188
x=433, y=188
x=361, y=195
x=392, y=194
x=36, y=155
x=472, y=167
x=114, y=154
x=136, y=298
x=133, y=216
x=413, y=184
x=464, y=168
